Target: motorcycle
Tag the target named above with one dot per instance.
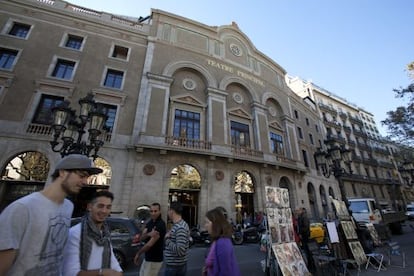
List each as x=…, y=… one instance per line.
x=199, y=237
x=252, y=234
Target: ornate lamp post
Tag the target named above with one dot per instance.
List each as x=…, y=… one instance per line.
x=69, y=129
x=330, y=162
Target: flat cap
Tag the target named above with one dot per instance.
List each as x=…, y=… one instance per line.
x=78, y=162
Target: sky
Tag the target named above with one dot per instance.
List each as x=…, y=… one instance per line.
x=356, y=49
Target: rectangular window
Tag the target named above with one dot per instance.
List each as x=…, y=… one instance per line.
x=43, y=113
x=63, y=69
x=120, y=52
x=240, y=134
x=7, y=58
x=311, y=138
x=296, y=114
x=74, y=42
x=276, y=143
x=305, y=158
x=110, y=111
x=113, y=79
x=317, y=128
x=300, y=133
x=19, y=30
x=186, y=124
x=307, y=121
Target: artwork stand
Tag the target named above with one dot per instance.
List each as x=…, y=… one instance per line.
x=281, y=232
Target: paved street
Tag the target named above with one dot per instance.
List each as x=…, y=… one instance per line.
x=249, y=257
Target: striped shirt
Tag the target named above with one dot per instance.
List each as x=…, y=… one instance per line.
x=176, y=247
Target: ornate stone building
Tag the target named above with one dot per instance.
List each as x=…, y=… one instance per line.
x=182, y=98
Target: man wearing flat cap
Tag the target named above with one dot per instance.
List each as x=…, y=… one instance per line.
x=34, y=228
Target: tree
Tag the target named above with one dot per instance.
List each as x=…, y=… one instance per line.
x=400, y=122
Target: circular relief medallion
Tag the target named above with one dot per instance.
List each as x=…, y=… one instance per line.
x=272, y=111
x=219, y=175
x=235, y=50
x=238, y=98
x=189, y=84
x=149, y=169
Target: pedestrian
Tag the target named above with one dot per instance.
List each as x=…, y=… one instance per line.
x=89, y=248
x=304, y=233
x=177, y=243
x=221, y=260
x=153, y=234
x=34, y=229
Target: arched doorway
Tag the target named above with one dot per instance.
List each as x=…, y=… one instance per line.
x=185, y=185
x=312, y=201
x=24, y=174
x=244, y=192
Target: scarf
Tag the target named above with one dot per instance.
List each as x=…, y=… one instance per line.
x=89, y=233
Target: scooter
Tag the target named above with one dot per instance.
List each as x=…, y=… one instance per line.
x=199, y=237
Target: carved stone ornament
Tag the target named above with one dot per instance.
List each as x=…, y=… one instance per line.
x=235, y=50
x=238, y=98
x=269, y=180
x=219, y=175
x=189, y=84
x=149, y=169
x=272, y=111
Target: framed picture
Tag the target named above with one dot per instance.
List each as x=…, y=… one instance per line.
x=290, y=259
x=374, y=234
x=358, y=252
x=349, y=230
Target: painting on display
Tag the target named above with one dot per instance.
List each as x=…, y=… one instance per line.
x=340, y=208
x=279, y=218
x=290, y=259
x=374, y=234
x=349, y=230
x=358, y=252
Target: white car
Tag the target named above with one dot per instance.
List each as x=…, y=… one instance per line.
x=410, y=211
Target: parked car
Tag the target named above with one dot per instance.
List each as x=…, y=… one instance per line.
x=125, y=238
x=410, y=211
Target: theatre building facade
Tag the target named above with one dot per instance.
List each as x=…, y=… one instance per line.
x=196, y=113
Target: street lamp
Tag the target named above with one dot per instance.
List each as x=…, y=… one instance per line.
x=407, y=172
x=330, y=162
x=68, y=129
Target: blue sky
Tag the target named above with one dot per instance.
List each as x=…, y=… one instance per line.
x=357, y=49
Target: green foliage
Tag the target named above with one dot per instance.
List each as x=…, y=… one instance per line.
x=400, y=122
x=185, y=177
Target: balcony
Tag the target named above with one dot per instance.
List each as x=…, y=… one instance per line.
x=335, y=138
x=46, y=131
x=343, y=115
x=363, y=146
x=187, y=143
x=352, y=143
x=371, y=162
x=347, y=129
x=356, y=158
x=245, y=151
x=327, y=108
x=380, y=150
x=355, y=120
x=333, y=124
x=386, y=164
x=360, y=133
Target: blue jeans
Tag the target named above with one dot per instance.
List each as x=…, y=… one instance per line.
x=179, y=270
